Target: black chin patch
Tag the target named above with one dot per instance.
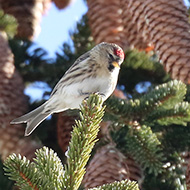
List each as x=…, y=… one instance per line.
x=111, y=67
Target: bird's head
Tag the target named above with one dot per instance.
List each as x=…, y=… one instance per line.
x=110, y=55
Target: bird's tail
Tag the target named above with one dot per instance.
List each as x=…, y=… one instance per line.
x=33, y=119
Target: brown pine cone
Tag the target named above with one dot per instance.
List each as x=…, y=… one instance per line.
x=165, y=24
x=105, y=20
x=64, y=127
x=133, y=34
x=61, y=4
x=28, y=14
x=12, y=105
x=109, y=165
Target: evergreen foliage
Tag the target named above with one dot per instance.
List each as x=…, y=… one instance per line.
x=82, y=142
x=125, y=184
x=153, y=105
x=161, y=106
x=5, y=183
x=20, y=169
x=8, y=24
x=144, y=146
x=47, y=172
x=50, y=167
x=151, y=126
x=145, y=67
x=34, y=65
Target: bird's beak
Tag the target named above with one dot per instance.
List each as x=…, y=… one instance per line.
x=115, y=64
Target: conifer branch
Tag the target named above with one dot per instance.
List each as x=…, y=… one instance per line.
x=20, y=169
x=121, y=185
x=165, y=95
x=82, y=141
x=180, y=115
x=145, y=147
x=8, y=23
x=142, y=144
x=144, y=67
x=29, y=175
x=50, y=166
x=5, y=183
x=141, y=60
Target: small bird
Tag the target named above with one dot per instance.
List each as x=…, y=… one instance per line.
x=96, y=71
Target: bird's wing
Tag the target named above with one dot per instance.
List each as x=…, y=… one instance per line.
x=76, y=70
x=79, y=61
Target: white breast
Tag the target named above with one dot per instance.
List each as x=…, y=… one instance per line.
x=71, y=96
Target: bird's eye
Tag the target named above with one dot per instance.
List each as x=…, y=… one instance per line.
x=111, y=56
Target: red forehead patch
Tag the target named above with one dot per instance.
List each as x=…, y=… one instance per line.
x=119, y=53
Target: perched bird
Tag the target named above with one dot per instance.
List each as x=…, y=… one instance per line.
x=96, y=71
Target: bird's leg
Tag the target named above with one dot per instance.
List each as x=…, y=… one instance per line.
x=87, y=94
x=101, y=94
x=81, y=93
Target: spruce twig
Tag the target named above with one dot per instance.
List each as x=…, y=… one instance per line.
x=50, y=166
x=179, y=115
x=20, y=169
x=82, y=141
x=144, y=67
x=8, y=23
x=122, y=185
x=29, y=175
x=141, y=60
x=165, y=95
x=5, y=183
x=47, y=173
x=142, y=144
x=145, y=147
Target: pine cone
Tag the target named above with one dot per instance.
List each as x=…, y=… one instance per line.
x=161, y=24
x=64, y=128
x=61, y=4
x=105, y=20
x=165, y=24
x=133, y=34
x=109, y=165
x=12, y=105
x=28, y=14
x=119, y=94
